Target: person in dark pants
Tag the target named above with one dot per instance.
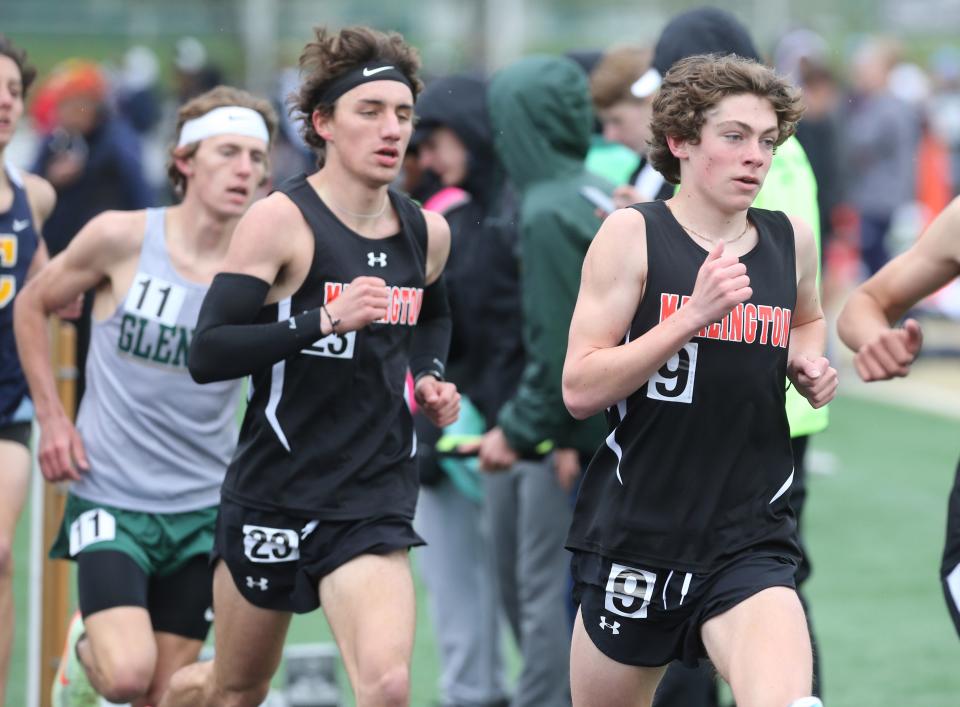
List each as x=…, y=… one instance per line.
x=542, y=119
x=454, y=141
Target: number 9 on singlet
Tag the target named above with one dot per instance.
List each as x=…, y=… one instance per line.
x=673, y=383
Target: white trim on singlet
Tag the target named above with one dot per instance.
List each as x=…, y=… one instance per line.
x=783, y=489
x=14, y=173
x=406, y=398
x=953, y=584
x=276, y=381
x=611, y=440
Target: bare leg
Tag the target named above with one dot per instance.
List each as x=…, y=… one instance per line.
x=248, y=647
x=14, y=481
x=599, y=681
x=173, y=653
x=119, y=652
x=370, y=605
x=761, y=647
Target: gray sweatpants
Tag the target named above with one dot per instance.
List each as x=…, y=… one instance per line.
x=529, y=518
x=456, y=567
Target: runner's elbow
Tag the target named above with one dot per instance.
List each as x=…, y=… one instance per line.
x=577, y=398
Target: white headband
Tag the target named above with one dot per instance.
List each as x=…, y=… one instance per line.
x=226, y=120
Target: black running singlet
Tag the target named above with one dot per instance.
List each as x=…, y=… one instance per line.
x=697, y=465
x=327, y=433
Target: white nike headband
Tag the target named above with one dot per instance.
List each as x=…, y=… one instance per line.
x=226, y=120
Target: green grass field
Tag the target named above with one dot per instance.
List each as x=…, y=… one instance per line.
x=875, y=528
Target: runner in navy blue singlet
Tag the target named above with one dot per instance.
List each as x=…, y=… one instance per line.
x=25, y=201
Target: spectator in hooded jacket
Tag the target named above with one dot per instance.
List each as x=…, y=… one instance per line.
x=542, y=122
x=454, y=142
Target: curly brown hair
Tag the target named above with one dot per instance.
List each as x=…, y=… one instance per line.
x=201, y=105
x=698, y=83
x=331, y=55
x=19, y=57
x=611, y=79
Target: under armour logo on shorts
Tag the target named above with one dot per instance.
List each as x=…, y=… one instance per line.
x=260, y=584
x=379, y=259
x=614, y=627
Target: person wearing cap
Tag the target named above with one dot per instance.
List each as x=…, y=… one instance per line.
x=790, y=186
x=331, y=290
x=691, y=314
x=150, y=447
x=626, y=118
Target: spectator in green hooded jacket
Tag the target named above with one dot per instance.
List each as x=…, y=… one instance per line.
x=542, y=122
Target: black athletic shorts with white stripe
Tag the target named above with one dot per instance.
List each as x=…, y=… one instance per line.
x=950, y=567
x=277, y=560
x=650, y=616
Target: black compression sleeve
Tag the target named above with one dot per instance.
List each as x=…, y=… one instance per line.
x=431, y=338
x=227, y=345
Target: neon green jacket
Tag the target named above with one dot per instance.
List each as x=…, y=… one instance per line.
x=791, y=187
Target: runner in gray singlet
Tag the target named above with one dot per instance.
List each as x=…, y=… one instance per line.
x=151, y=446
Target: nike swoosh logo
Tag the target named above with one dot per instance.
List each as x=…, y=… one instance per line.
x=371, y=72
x=20, y=225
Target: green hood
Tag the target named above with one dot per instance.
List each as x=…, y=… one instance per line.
x=541, y=116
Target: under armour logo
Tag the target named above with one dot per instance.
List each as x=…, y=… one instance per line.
x=377, y=259
x=614, y=627
x=260, y=584
x=308, y=528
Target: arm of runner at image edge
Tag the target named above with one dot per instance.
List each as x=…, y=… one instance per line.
x=600, y=369
x=932, y=262
x=226, y=343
